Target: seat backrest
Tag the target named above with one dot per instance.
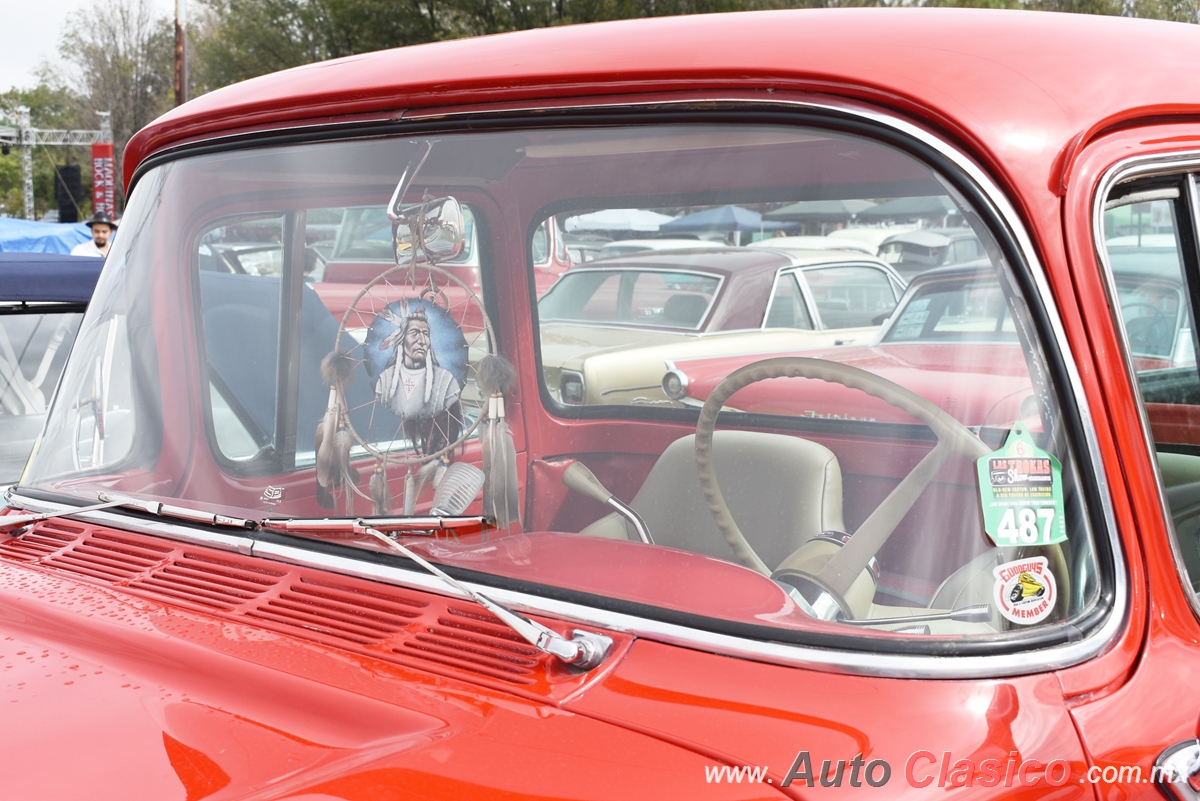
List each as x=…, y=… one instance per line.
x=781, y=490
x=685, y=310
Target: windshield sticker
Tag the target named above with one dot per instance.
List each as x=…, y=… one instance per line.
x=1020, y=491
x=1025, y=591
x=912, y=320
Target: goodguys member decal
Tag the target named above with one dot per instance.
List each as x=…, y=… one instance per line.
x=1025, y=591
x=1020, y=492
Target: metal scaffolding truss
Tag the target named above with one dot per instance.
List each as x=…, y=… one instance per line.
x=26, y=137
x=35, y=136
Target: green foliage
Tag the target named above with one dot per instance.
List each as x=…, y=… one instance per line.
x=245, y=38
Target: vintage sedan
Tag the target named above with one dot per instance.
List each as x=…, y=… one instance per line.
x=606, y=329
x=268, y=551
x=913, y=252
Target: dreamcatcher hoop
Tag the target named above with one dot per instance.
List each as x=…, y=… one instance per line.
x=432, y=294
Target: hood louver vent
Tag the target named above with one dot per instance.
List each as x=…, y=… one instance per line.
x=338, y=612
x=43, y=541
x=207, y=582
x=110, y=557
x=478, y=642
x=389, y=624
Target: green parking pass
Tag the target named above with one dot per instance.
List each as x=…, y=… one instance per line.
x=1020, y=490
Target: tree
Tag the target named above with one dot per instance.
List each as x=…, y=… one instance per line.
x=119, y=58
x=244, y=38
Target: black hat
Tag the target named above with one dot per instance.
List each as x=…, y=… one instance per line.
x=101, y=217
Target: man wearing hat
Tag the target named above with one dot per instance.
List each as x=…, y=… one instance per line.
x=102, y=230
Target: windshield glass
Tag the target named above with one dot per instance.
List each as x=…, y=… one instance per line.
x=34, y=343
x=291, y=331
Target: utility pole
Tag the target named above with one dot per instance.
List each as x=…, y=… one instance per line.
x=181, y=81
x=25, y=137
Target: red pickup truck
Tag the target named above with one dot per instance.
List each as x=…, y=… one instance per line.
x=273, y=546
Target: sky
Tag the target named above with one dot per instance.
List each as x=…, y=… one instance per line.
x=30, y=30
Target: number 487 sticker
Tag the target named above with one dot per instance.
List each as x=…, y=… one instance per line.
x=1026, y=526
x=1020, y=491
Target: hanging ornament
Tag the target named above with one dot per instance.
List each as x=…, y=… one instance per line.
x=333, y=439
x=381, y=496
x=497, y=376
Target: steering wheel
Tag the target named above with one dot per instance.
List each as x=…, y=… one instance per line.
x=1146, y=330
x=838, y=572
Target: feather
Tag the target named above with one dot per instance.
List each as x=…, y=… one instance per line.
x=501, y=498
x=324, y=442
x=495, y=375
x=342, y=475
x=425, y=473
x=380, y=495
x=324, y=497
x=410, y=493
x=337, y=367
x=333, y=440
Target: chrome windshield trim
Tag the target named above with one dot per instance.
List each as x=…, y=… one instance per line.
x=159, y=528
x=909, y=666
x=1175, y=164
x=866, y=663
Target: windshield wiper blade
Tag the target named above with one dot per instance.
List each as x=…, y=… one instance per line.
x=13, y=521
x=411, y=524
x=159, y=509
x=585, y=650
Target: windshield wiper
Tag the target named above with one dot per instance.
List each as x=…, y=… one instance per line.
x=159, y=509
x=13, y=521
x=585, y=650
x=412, y=524
x=156, y=508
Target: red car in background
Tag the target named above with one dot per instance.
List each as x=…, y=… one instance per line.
x=286, y=537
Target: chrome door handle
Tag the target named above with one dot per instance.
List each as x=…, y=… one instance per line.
x=1177, y=771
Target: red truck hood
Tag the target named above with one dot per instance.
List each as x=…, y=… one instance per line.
x=988, y=390
x=115, y=696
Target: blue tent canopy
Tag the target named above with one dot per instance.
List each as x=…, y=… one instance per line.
x=725, y=219
x=45, y=277
x=29, y=236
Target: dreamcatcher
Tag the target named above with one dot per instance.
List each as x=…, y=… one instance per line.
x=412, y=375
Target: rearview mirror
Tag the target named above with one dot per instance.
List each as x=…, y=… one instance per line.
x=435, y=229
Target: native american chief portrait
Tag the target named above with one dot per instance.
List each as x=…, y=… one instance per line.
x=412, y=384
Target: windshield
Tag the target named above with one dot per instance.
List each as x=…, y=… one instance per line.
x=291, y=331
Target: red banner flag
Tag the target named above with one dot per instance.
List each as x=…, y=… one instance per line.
x=104, y=179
